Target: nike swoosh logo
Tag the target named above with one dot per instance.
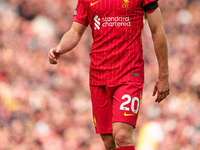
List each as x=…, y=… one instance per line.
x=92, y=4
x=125, y=114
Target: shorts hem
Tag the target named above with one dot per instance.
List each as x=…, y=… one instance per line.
x=104, y=131
x=132, y=124
x=115, y=83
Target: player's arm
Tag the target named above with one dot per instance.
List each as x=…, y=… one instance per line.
x=160, y=45
x=69, y=40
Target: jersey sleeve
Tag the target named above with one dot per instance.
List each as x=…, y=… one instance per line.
x=80, y=14
x=150, y=5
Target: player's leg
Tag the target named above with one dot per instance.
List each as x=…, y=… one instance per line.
x=123, y=136
x=126, y=107
x=108, y=141
x=102, y=115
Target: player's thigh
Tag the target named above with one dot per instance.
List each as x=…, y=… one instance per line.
x=127, y=102
x=102, y=109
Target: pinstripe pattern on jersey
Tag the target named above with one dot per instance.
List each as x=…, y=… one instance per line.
x=116, y=53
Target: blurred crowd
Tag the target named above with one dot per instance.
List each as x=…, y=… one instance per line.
x=47, y=107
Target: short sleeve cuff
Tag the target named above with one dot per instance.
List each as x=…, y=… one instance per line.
x=149, y=8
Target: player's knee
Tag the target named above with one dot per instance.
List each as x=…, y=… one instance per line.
x=108, y=141
x=123, y=138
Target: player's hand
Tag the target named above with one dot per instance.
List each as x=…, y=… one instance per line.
x=162, y=89
x=54, y=55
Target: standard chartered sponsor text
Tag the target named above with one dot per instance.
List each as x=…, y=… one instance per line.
x=116, y=21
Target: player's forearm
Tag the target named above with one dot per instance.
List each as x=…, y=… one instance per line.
x=161, y=50
x=69, y=40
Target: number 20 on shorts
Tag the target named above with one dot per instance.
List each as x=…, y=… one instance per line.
x=133, y=101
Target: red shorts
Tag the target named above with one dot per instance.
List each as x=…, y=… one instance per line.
x=115, y=103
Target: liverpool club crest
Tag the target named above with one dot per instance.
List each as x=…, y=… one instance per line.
x=126, y=4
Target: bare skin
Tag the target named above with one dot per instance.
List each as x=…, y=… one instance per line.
x=161, y=87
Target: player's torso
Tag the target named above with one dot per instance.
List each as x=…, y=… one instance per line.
x=117, y=51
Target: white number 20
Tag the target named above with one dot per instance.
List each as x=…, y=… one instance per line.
x=128, y=97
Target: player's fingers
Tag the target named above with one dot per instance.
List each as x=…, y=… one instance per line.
x=168, y=92
x=162, y=95
x=165, y=93
x=51, y=53
x=158, y=98
x=52, y=61
x=154, y=91
x=51, y=57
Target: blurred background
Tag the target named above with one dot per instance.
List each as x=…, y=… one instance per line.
x=47, y=107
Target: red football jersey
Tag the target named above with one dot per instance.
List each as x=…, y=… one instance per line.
x=116, y=54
